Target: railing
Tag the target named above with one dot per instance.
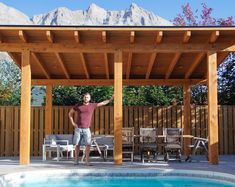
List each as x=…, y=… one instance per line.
x=102, y=123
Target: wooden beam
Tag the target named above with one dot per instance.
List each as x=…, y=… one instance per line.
x=41, y=65
x=1, y=38
x=150, y=65
x=15, y=59
x=106, y=65
x=186, y=118
x=109, y=82
x=212, y=107
x=111, y=48
x=214, y=36
x=104, y=38
x=77, y=36
x=194, y=65
x=84, y=66
x=50, y=37
x=221, y=57
x=128, y=69
x=132, y=37
x=25, y=109
x=48, y=110
x=22, y=36
x=60, y=60
x=172, y=65
x=118, y=108
x=187, y=35
x=159, y=37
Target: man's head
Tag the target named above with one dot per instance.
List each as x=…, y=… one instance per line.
x=86, y=97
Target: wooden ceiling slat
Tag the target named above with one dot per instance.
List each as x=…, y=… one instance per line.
x=221, y=57
x=84, y=65
x=60, y=60
x=41, y=65
x=128, y=69
x=106, y=65
x=172, y=65
x=150, y=65
x=194, y=65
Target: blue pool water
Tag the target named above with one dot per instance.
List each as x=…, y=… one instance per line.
x=165, y=181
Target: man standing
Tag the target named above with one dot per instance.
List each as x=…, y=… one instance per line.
x=82, y=125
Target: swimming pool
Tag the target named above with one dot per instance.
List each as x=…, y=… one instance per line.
x=118, y=177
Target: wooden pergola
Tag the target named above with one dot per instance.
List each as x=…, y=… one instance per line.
x=82, y=55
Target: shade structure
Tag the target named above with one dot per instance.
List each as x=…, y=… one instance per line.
x=83, y=55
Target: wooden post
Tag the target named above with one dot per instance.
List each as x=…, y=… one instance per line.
x=118, y=108
x=212, y=107
x=25, y=108
x=48, y=110
x=186, y=119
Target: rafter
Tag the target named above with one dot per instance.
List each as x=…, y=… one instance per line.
x=104, y=38
x=221, y=57
x=73, y=82
x=1, y=38
x=159, y=37
x=132, y=37
x=60, y=60
x=41, y=65
x=214, y=36
x=194, y=65
x=15, y=59
x=150, y=65
x=128, y=69
x=50, y=37
x=77, y=36
x=22, y=36
x=84, y=66
x=106, y=65
x=172, y=65
x=187, y=35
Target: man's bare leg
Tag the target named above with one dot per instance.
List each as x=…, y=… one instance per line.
x=77, y=149
x=87, y=152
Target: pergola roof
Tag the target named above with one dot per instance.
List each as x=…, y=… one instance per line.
x=87, y=53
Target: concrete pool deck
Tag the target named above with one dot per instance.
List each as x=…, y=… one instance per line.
x=11, y=165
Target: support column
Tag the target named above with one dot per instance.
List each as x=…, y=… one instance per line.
x=118, y=108
x=212, y=107
x=186, y=119
x=48, y=110
x=25, y=108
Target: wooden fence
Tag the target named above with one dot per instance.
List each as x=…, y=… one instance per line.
x=102, y=123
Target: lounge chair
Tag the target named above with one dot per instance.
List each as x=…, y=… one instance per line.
x=148, y=143
x=58, y=143
x=172, y=143
x=128, y=142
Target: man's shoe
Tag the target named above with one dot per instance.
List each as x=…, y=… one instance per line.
x=76, y=163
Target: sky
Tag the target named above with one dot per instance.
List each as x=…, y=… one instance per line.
x=167, y=9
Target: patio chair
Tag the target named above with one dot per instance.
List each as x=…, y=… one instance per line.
x=148, y=143
x=172, y=143
x=128, y=142
x=58, y=143
x=105, y=143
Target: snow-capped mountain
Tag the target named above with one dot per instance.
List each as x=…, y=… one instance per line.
x=95, y=15
x=11, y=16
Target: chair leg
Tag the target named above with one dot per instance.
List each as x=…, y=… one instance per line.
x=44, y=154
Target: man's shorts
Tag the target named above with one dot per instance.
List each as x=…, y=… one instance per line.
x=82, y=136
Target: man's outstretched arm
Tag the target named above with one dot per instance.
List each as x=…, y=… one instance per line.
x=105, y=102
